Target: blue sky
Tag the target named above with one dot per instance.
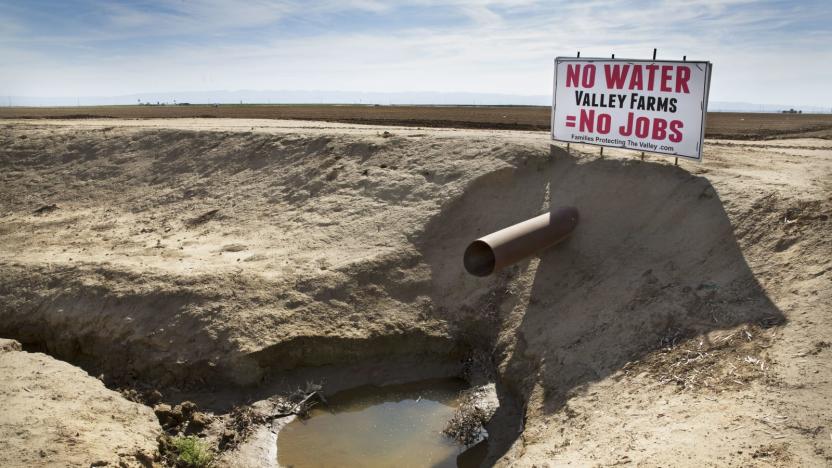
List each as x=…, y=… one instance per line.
x=763, y=51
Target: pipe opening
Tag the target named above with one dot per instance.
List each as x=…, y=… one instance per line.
x=479, y=259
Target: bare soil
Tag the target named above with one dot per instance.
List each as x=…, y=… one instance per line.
x=54, y=414
x=685, y=322
x=735, y=125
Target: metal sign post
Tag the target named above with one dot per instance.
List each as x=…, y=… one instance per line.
x=654, y=59
x=676, y=162
x=602, y=148
x=567, y=145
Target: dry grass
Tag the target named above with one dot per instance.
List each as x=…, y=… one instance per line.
x=466, y=425
x=716, y=362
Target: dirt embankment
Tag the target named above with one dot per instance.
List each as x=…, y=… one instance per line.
x=208, y=261
x=54, y=414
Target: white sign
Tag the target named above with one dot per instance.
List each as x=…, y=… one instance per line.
x=644, y=105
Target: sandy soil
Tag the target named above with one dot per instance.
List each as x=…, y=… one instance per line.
x=54, y=414
x=685, y=323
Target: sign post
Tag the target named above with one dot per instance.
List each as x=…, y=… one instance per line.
x=567, y=145
x=643, y=105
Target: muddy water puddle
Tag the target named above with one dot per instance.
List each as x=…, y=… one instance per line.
x=393, y=426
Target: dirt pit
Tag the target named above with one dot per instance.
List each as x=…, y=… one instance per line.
x=230, y=264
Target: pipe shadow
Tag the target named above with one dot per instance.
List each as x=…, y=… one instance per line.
x=654, y=255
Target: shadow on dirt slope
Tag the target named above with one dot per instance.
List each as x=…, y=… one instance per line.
x=653, y=260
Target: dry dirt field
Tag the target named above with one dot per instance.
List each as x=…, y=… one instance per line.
x=719, y=124
x=686, y=322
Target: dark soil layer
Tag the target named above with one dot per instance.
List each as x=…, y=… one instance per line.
x=719, y=124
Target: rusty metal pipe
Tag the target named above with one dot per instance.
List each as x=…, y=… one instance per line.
x=500, y=249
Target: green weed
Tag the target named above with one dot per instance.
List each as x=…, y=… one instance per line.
x=192, y=452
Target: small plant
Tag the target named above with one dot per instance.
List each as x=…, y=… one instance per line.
x=192, y=452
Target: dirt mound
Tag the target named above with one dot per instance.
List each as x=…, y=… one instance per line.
x=207, y=260
x=327, y=273
x=54, y=414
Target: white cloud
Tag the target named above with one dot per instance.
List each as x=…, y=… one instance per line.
x=504, y=47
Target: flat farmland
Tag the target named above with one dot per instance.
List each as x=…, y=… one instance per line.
x=730, y=125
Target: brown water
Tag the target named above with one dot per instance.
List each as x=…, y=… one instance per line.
x=395, y=426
